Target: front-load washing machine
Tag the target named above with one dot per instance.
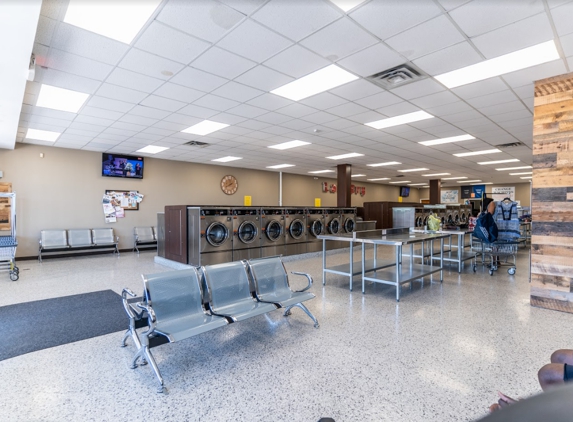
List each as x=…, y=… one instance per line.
x=315, y=223
x=272, y=231
x=348, y=220
x=419, y=216
x=246, y=233
x=295, y=231
x=333, y=222
x=214, y=233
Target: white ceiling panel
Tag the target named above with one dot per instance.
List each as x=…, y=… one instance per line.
x=297, y=110
x=339, y=40
x=492, y=99
x=562, y=17
x=109, y=104
x=133, y=80
x=244, y=6
x=535, y=73
x=215, y=102
x=138, y=120
x=101, y=113
x=480, y=88
x=356, y=90
x=86, y=127
x=66, y=80
x=127, y=126
x=426, y=38
x=481, y=16
x=493, y=110
x=323, y=101
x=237, y=92
x=297, y=61
x=398, y=109
x=270, y=102
x=348, y=109
x=222, y=63
x=178, y=92
x=379, y=100
x=452, y=4
x=196, y=111
x=448, y=59
x=434, y=100
x=253, y=41
x=567, y=44
x=447, y=109
x=77, y=65
x=150, y=112
x=418, y=89
x=149, y=64
x=205, y=19
x=197, y=79
x=170, y=43
x=273, y=118
x=245, y=110
x=262, y=77
x=227, y=118
x=372, y=60
x=385, y=18
x=515, y=37
x=296, y=20
x=319, y=117
x=119, y=93
x=162, y=103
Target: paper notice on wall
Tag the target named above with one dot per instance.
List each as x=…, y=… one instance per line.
x=109, y=213
x=500, y=193
x=119, y=212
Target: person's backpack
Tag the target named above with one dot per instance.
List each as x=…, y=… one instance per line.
x=485, y=228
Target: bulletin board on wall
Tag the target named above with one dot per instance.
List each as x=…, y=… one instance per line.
x=5, y=207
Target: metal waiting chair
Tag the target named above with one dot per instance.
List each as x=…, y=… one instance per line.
x=272, y=285
x=52, y=239
x=105, y=237
x=79, y=238
x=143, y=235
x=174, y=306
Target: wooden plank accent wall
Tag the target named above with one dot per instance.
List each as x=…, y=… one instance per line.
x=552, y=195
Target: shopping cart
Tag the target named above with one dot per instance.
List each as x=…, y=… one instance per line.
x=498, y=252
x=8, y=242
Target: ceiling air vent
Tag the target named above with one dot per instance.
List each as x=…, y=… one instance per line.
x=397, y=76
x=196, y=144
x=510, y=145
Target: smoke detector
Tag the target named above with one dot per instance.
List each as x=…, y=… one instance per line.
x=397, y=76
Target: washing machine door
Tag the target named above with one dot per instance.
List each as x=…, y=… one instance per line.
x=349, y=225
x=296, y=229
x=316, y=228
x=217, y=234
x=274, y=230
x=247, y=232
x=463, y=217
x=419, y=221
x=456, y=219
x=333, y=226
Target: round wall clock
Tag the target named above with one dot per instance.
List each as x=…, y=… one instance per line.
x=229, y=184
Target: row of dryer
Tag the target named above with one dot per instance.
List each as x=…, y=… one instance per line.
x=225, y=234
x=448, y=214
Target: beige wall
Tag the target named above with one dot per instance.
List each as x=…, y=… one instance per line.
x=64, y=190
x=522, y=192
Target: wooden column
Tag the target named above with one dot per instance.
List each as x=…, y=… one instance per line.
x=435, y=191
x=344, y=174
x=552, y=195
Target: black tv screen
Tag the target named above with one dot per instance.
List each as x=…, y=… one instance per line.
x=404, y=191
x=116, y=165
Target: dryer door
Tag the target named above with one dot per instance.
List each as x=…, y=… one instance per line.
x=316, y=228
x=217, y=234
x=296, y=229
x=247, y=232
x=349, y=225
x=333, y=226
x=274, y=230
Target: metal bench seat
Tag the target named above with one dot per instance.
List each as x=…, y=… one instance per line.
x=79, y=238
x=143, y=236
x=228, y=290
x=272, y=285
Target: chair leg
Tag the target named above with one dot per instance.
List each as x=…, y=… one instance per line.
x=147, y=354
x=306, y=311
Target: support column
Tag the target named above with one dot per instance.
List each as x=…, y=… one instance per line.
x=344, y=179
x=552, y=195
x=435, y=191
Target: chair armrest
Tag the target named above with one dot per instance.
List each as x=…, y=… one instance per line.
x=117, y=239
x=151, y=319
x=309, y=278
x=128, y=308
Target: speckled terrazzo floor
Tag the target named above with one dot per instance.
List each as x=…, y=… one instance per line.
x=438, y=355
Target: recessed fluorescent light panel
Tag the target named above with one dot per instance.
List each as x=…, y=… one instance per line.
x=454, y=178
x=321, y=171
x=521, y=174
x=204, y=128
x=482, y=183
x=527, y=177
x=436, y=174
x=315, y=83
x=380, y=178
x=42, y=135
x=343, y=156
x=469, y=181
x=409, y=170
x=280, y=166
x=416, y=184
x=401, y=181
x=389, y=163
x=447, y=140
x=290, y=144
x=469, y=154
x=346, y=5
x=227, y=159
x=119, y=20
x=484, y=163
x=400, y=120
x=521, y=59
x=61, y=99
x=358, y=175
x=515, y=168
x=152, y=149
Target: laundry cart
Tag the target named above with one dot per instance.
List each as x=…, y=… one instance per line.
x=496, y=254
x=8, y=241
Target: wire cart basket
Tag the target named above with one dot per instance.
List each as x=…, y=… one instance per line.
x=493, y=254
x=8, y=242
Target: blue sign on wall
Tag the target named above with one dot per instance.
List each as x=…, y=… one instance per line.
x=478, y=191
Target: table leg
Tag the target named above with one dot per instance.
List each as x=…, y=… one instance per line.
x=351, y=266
x=398, y=271
x=363, y=264
x=442, y=259
x=323, y=261
x=461, y=240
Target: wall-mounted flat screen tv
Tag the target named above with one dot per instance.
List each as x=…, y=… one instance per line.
x=404, y=191
x=116, y=165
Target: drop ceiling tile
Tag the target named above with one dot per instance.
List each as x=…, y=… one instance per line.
x=149, y=64
x=75, y=40
x=379, y=100
x=297, y=124
x=297, y=61
x=244, y=6
x=385, y=18
x=128, y=126
x=418, y=89
x=86, y=127
x=77, y=65
x=567, y=44
x=111, y=137
x=262, y=77
x=118, y=132
x=319, y=117
x=227, y=118
x=535, y=73
x=276, y=130
x=222, y=63
x=323, y=101
x=158, y=131
x=197, y=79
x=372, y=60
x=270, y=102
x=133, y=80
x=452, y=4
x=153, y=113
x=296, y=20
x=202, y=18
x=215, y=102
x=170, y=43
x=162, y=103
x=253, y=125
x=562, y=17
x=339, y=124
x=481, y=16
x=428, y=37
x=448, y=59
x=494, y=110
x=356, y=90
x=515, y=37
x=297, y=110
x=178, y=92
x=196, y=111
x=525, y=92
x=556, y=3
x=116, y=92
x=480, y=88
x=174, y=126
x=148, y=137
x=447, y=109
x=492, y=99
x=138, y=120
x=66, y=80
x=100, y=113
x=348, y=109
x=109, y=104
x=246, y=110
x=254, y=41
x=434, y=100
x=519, y=114
x=237, y=92
x=339, y=40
